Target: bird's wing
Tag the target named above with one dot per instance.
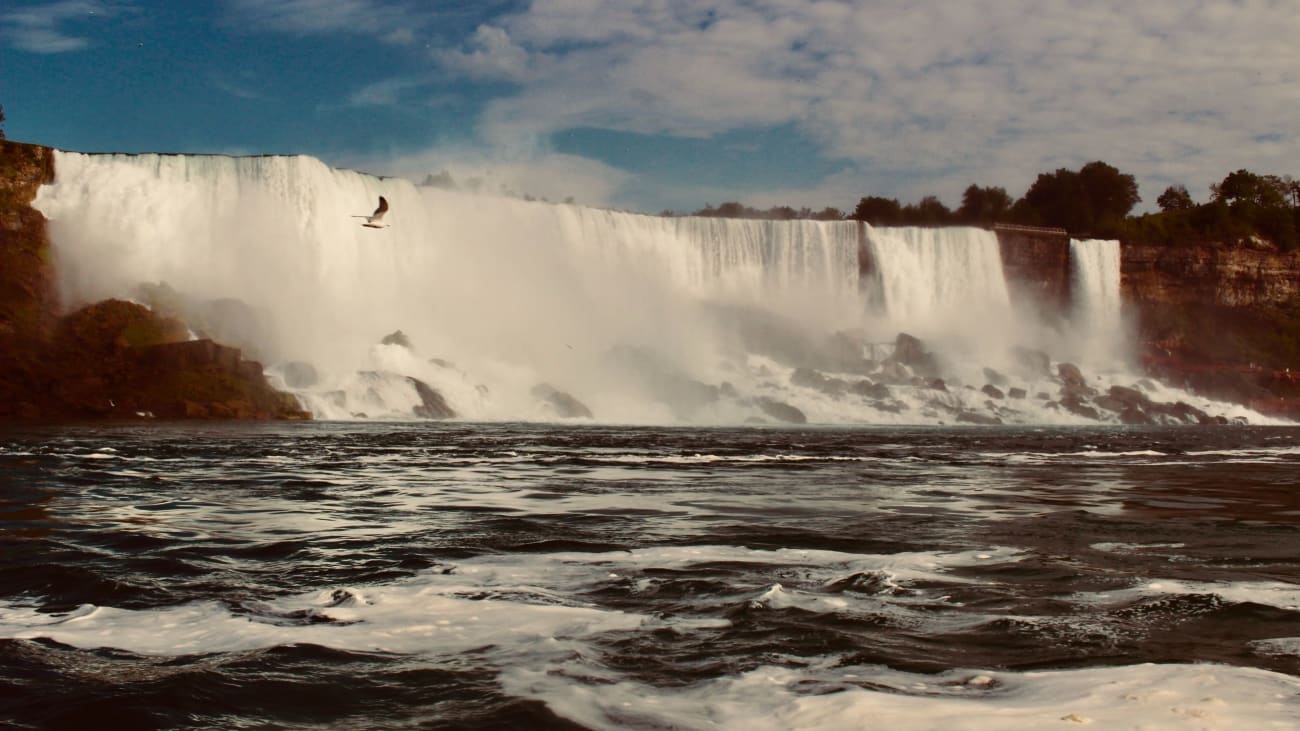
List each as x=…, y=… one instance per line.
x=382, y=209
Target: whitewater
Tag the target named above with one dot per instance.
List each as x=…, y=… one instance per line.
x=501, y=302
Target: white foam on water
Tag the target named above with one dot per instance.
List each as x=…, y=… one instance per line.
x=1268, y=593
x=487, y=600
x=1131, y=697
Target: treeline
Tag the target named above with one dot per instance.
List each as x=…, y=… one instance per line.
x=775, y=213
x=1094, y=201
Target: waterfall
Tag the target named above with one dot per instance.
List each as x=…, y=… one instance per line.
x=529, y=310
x=1095, y=292
x=496, y=295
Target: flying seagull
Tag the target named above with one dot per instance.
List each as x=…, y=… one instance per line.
x=375, y=220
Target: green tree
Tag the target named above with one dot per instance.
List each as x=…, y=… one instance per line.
x=984, y=205
x=1175, y=198
x=878, y=211
x=930, y=211
x=1094, y=200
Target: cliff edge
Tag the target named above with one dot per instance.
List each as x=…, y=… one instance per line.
x=111, y=359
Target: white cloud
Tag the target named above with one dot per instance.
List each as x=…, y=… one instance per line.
x=551, y=176
x=391, y=23
x=920, y=96
x=44, y=28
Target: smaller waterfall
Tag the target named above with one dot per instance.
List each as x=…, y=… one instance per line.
x=1095, y=267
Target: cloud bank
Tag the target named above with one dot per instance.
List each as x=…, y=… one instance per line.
x=919, y=96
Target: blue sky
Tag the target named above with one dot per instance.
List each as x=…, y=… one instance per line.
x=671, y=104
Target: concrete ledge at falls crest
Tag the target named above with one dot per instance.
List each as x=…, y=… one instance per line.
x=111, y=359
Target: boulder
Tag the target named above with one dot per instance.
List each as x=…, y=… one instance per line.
x=564, y=405
x=994, y=378
x=781, y=411
x=432, y=405
x=910, y=351
x=397, y=337
x=993, y=391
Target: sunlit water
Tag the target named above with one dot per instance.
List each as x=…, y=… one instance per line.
x=455, y=575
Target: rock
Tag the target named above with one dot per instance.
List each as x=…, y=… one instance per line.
x=993, y=391
x=432, y=404
x=936, y=384
x=994, y=378
x=1128, y=396
x=564, y=405
x=911, y=352
x=809, y=378
x=870, y=390
x=1075, y=406
x=781, y=411
x=1072, y=381
x=1133, y=415
x=397, y=337
x=1017, y=393
x=972, y=417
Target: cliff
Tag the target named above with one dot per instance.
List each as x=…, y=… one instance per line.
x=111, y=359
x=1222, y=320
x=1036, y=263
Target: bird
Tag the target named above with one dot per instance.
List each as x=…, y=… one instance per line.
x=375, y=220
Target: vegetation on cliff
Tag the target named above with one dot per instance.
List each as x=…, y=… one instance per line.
x=1094, y=201
x=111, y=359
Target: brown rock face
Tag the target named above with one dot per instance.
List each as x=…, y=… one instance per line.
x=1228, y=277
x=1036, y=264
x=112, y=359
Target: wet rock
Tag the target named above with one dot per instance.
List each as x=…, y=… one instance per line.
x=781, y=411
x=995, y=378
x=1133, y=415
x=936, y=384
x=1128, y=396
x=1017, y=393
x=993, y=391
x=1076, y=406
x=432, y=405
x=1073, y=383
x=974, y=417
x=564, y=405
x=910, y=351
x=809, y=378
x=871, y=390
x=397, y=337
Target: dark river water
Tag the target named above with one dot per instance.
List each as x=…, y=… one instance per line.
x=452, y=575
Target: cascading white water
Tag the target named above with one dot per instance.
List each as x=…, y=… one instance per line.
x=1095, y=292
x=510, y=293
x=507, y=303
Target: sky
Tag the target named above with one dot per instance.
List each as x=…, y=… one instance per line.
x=652, y=105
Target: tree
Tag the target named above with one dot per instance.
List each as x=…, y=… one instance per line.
x=1111, y=193
x=1245, y=187
x=878, y=211
x=1175, y=198
x=984, y=205
x=929, y=212
x=1093, y=200
x=2, y=122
